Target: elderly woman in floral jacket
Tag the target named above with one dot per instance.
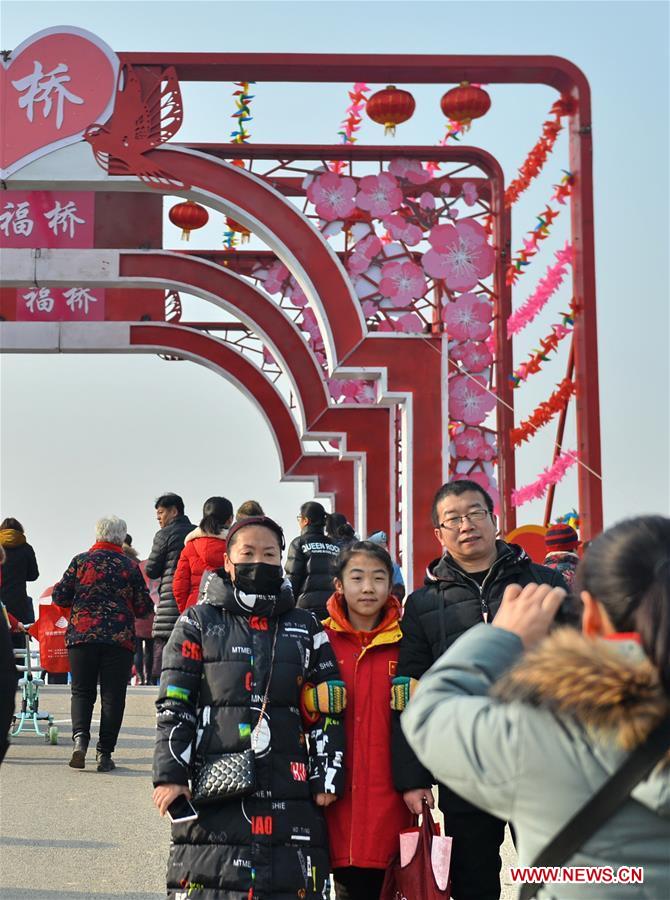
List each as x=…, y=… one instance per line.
x=106, y=591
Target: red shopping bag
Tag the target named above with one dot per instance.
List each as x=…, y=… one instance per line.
x=49, y=630
x=421, y=871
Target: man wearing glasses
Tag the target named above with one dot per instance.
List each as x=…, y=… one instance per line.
x=463, y=587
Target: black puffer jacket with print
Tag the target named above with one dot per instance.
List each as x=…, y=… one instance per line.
x=216, y=667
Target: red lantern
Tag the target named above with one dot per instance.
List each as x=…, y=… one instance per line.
x=232, y=225
x=188, y=216
x=390, y=107
x=464, y=103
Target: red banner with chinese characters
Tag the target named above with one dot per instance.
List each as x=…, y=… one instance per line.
x=71, y=304
x=58, y=219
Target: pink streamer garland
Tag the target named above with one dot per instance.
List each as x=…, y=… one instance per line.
x=545, y=289
x=352, y=120
x=552, y=475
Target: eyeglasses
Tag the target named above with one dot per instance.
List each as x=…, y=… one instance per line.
x=453, y=523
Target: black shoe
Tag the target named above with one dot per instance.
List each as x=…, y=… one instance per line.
x=78, y=760
x=104, y=761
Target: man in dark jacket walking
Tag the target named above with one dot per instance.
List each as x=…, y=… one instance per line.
x=462, y=588
x=311, y=561
x=162, y=562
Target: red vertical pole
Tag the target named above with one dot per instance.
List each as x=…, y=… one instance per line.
x=585, y=333
x=504, y=364
x=560, y=431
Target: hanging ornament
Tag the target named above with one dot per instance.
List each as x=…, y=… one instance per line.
x=188, y=216
x=234, y=226
x=464, y=103
x=390, y=107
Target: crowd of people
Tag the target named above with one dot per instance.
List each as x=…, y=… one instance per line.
x=307, y=714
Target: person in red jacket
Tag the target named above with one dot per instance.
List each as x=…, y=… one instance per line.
x=204, y=549
x=364, y=631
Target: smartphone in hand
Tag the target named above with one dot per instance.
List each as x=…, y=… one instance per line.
x=181, y=810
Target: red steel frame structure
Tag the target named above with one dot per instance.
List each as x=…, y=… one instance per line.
x=346, y=343
x=554, y=71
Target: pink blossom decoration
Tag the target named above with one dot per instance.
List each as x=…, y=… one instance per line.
x=308, y=323
x=468, y=318
x=410, y=323
x=426, y=200
x=379, y=194
x=275, y=278
x=402, y=230
x=470, y=444
x=470, y=194
x=268, y=357
x=461, y=255
x=402, y=282
x=445, y=188
x=411, y=169
x=332, y=196
x=474, y=355
x=296, y=294
x=469, y=400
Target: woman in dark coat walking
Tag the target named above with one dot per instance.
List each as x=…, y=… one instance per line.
x=312, y=558
x=105, y=591
x=20, y=566
x=245, y=643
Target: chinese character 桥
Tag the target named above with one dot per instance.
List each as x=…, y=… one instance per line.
x=79, y=298
x=63, y=217
x=18, y=216
x=39, y=300
x=39, y=87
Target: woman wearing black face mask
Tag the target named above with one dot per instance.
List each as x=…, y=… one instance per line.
x=245, y=669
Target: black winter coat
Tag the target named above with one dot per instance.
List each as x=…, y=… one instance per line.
x=215, y=671
x=311, y=566
x=8, y=679
x=449, y=603
x=162, y=562
x=19, y=567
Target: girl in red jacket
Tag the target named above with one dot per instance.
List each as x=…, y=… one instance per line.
x=364, y=631
x=204, y=549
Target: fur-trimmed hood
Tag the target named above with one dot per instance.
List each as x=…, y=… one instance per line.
x=199, y=533
x=609, y=687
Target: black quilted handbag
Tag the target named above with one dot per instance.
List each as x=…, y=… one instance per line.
x=232, y=774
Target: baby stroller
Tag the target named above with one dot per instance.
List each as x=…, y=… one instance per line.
x=30, y=684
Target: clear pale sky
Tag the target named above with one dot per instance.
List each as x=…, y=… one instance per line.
x=86, y=436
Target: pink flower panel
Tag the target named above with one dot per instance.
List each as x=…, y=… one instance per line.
x=402, y=282
x=468, y=318
x=474, y=355
x=469, y=401
x=460, y=254
x=411, y=169
x=379, y=194
x=402, y=230
x=332, y=196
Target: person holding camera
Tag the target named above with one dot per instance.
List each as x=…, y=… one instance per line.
x=463, y=588
x=567, y=734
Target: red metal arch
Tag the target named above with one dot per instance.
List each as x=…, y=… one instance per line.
x=367, y=429
x=334, y=476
